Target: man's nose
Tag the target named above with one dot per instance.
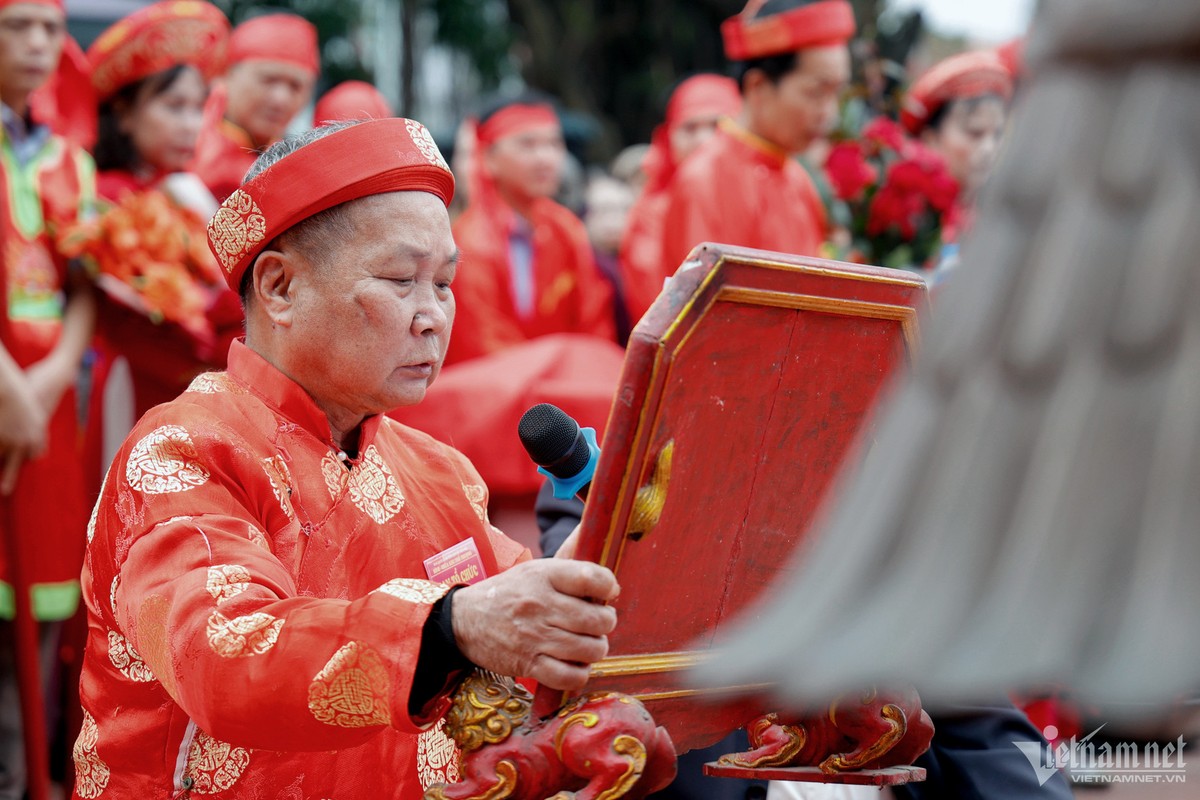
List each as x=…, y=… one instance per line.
x=430, y=316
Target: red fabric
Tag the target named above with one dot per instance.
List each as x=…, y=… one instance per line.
x=642, y=267
x=67, y=103
x=255, y=608
x=276, y=37
x=475, y=406
x=959, y=77
x=374, y=157
x=52, y=3
x=155, y=38
x=512, y=120
x=570, y=295
x=738, y=189
x=48, y=507
x=814, y=25
x=351, y=100
x=224, y=152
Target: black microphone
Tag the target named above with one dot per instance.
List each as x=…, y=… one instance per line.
x=564, y=452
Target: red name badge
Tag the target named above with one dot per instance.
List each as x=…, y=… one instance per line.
x=458, y=564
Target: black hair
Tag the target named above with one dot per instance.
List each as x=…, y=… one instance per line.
x=776, y=66
x=497, y=103
x=114, y=147
x=939, y=115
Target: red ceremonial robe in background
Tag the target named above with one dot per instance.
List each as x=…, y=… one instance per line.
x=224, y=152
x=255, y=602
x=740, y=189
x=49, y=505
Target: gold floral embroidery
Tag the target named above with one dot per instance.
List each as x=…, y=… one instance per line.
x=352, y=689
x=373, y=489
x=437, y=757
x=125, y=658
x=259, y=538
x=214, y=383
x=425, y=143
x=248, y=635
x=165, y=461
x=414, y=590
x=91, y=526
x=153, y=640
x=335, y=473
x=226, y=581
x=91, y=774
x=112, y=594
x=475, y=496
x=236, y=228
x=281, y=482
x=214, y=766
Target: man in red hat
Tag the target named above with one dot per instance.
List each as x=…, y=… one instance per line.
x=528, y=268
x=273, y=65
x=744, y=187
x=47, y=182
x=284, y=585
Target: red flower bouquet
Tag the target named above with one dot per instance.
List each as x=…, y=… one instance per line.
x=896, y=196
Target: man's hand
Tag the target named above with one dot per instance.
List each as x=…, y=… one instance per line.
x=48, y=379
x=542, y=619
x=22, y=430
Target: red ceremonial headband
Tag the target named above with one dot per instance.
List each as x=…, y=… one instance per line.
x=957, y=77
x=52, y=3
x=822, y=23
x=276, y=37
x=374, y=157
x=514, y=119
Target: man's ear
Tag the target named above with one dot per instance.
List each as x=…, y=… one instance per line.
x=753, y=82
x=273, y=285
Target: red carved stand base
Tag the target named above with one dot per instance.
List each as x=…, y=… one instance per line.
x=890, y=776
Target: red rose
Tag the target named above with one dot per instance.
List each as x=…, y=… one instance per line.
x=883, y=132
x=848, y=170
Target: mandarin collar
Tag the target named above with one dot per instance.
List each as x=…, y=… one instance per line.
x=767, y=152
x=264, y=380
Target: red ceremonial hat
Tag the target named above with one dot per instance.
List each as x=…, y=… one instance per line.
x=956, y=78
x=276, y=37
x=817, y=24
x=52, y=3
x=703, y=96
x=351, y=100
x=515, y=118
x=156, y=38
x=373, y=157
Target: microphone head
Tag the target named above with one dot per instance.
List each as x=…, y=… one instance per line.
x=553, y=440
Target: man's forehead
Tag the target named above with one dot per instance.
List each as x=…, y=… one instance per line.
x=272, y=69
x=40, y=12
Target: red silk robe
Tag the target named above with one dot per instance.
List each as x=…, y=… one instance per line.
x=49, y=506
x=643, y=269
x=255, y=608
x=570, y=295
x=739, y=189
x=224, y=153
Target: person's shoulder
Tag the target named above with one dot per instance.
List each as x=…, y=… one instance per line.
x=213, y=405
x=420, y=446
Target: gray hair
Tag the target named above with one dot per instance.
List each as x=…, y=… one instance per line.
x=318, y=236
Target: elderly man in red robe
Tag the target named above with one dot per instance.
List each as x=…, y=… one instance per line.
x=744, y=186
x=273, y=65
x=283, y=585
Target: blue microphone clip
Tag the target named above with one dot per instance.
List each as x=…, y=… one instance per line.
x=566, y=488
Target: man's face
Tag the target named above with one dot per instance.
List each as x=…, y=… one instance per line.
x=370, y=328
x=31, y=40
x=528, y=164
x=264, y=96
x=687, y=136
x=803, y=106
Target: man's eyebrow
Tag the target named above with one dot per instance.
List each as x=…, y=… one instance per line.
x=455, y=257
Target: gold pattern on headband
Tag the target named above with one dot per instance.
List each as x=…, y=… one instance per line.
x=424, y=142
x=236, y=228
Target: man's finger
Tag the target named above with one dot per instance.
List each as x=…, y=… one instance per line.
x=584, y=579
x=584, y=618
x=583, y=650
x=549, y=671
x=12, y=466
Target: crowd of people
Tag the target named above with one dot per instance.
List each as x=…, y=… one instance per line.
x=198, y=308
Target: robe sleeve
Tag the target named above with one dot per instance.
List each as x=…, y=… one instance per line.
x=217, y=618
x=693, y=217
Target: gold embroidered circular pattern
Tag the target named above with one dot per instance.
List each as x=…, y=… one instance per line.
x=476, y=495
x=352, y=689
x=437, y=757
x=373, y=489
x=424, y=142
x=335, y=474
x=227, y=580
x=91, y=774
x=214, y=766
x=165, y=461
x=414, y=590
x=248, y=635
x=214, y=383
x=125, y=658
x=236, y=228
